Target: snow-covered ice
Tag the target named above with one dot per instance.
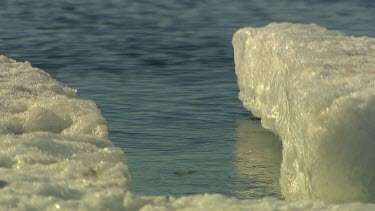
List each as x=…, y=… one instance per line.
x=315, y=89
x=54, y=151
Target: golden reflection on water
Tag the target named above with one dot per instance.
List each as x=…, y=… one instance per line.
x=258, y=155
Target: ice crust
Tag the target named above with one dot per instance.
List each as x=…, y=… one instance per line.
x=54, y=151
x=314, y=88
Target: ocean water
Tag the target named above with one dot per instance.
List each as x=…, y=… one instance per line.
x=163, y=75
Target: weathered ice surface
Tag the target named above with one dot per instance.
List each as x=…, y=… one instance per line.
x=315, y=89
x=54, y=151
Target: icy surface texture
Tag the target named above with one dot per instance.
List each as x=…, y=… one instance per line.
x=54, y=151
x=315, y=89
x=207, y=202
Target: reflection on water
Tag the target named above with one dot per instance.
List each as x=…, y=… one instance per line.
x=258, y=155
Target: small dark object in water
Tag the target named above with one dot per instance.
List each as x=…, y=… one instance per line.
x=254, y=118
x=3, y=183
x=184, y=171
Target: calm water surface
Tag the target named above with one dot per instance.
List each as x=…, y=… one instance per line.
x=162, y=73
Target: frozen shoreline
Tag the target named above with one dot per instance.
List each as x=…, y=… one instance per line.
x=56, y=153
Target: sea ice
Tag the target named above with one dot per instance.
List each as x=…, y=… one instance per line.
x=312, y=87
x=54, y=151
x=315, y=89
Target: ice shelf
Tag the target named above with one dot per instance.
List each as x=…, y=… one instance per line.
x=315, y=89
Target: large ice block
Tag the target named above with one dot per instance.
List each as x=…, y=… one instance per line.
x=314, y=88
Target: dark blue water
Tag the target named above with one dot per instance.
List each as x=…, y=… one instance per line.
x=162, y=73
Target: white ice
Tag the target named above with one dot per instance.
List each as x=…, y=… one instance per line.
x=301, y=79
x=315, y=89
x=54, y=151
